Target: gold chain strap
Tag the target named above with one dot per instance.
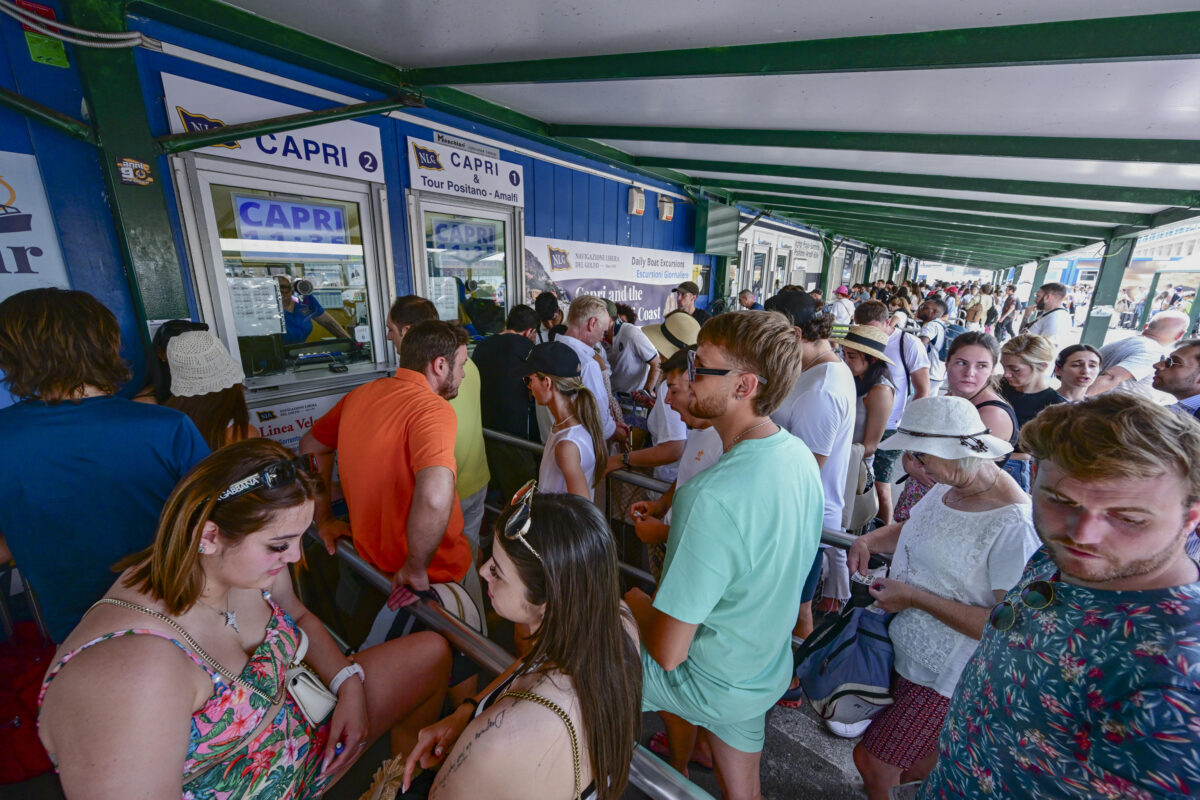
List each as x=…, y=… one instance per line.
x=550, y=704
x=212, y=662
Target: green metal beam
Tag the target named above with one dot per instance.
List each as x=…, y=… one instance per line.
x=143, y=225
x=1080, y=191
x=929, y=230
x=1165, y=217
x=1074, y=148
x=1072, y=42
x=1020, y=209
x=966, y=222
x=919, y=246
x=1118, y=253
x=47, y=116
x=194, y=140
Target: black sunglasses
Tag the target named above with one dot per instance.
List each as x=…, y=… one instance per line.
x=272, y=476
x=1035, y=596
x=522, y=517
x=693, y=370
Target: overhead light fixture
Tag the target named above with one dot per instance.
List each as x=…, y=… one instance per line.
x=666, y=208
x=637, y=201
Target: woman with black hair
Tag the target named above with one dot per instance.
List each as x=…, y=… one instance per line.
x=863, y=351
x=157, y=388
x=553, y=567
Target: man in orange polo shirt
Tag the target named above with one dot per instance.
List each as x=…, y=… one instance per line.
x=394, y=439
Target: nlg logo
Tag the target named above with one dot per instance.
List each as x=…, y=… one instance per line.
x=199, y=122
x=427, y=158
x=559, y=259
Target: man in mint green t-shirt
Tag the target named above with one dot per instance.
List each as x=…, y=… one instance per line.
x=717, y=635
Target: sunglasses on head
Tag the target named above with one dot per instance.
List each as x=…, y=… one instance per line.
x=522, y=517
x=272, y=476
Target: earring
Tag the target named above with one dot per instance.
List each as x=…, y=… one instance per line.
x=202, y=548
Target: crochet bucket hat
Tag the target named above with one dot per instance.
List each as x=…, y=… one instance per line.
x=200, y=364
x=946, y=427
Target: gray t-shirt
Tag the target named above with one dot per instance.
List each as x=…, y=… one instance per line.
x=1137, y=355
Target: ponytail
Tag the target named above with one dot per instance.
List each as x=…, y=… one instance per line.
x=584, y=407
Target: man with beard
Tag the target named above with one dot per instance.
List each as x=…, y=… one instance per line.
x=932, y=315
x=716, y=637
x=1053, y=320
x=1085, y=682
x=394, y=440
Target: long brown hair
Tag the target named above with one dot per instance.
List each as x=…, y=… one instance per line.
x=220, y=416
x=55, y=341
x=583, y=405
x=582, y=635
x=170, y=570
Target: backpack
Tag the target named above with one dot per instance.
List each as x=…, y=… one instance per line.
x=975, y=312
x=845, y=665
x=952, y=332
x=992, y=316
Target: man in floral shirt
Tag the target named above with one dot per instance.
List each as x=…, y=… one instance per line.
x=1087, y=681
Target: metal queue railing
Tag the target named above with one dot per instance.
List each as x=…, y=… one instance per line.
x=646, y=771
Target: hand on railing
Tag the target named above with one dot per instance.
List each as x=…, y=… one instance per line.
x=330, y=531
x=857, y=557
x=407, y=579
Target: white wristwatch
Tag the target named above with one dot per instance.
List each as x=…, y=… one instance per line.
x=344, y=673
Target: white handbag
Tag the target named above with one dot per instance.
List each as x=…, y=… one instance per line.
x=313, y=698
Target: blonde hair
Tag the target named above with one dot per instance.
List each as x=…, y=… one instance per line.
x=761, y=342
x=1036, y=351
x=584, y=407
x=1117, y=435
x=584, y=307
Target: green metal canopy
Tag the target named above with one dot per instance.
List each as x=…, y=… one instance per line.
x=984, y=135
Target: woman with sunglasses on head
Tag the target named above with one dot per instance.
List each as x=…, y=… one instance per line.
x=182, y=680
x=562, y=721
x=963, y=547
x=575, y=447
x=1076, y=368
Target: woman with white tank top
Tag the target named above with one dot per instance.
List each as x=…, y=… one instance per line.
x=576, y=444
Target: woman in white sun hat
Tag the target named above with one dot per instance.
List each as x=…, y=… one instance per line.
x=206, y=384
x=960, y=551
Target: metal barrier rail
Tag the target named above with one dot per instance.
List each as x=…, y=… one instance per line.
x=646, y=771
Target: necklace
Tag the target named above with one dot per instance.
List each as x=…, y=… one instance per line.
x=962, y=497
x=738, y=438
x=230, y=616
x=563, y=423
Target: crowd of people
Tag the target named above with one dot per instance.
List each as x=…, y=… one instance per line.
x=1035, y=498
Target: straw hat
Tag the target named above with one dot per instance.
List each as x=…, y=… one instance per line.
x=200, y=364
x=946, y=427
x=866, y=339
x=677, y=331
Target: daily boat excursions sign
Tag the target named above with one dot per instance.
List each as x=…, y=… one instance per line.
x=638, y=277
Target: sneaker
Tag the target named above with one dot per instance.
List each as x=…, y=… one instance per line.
x=847, y=730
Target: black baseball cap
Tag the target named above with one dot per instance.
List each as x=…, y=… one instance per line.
x=798, y=307
x=552, y=358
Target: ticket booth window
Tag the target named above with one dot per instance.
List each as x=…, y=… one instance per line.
x=290, y=275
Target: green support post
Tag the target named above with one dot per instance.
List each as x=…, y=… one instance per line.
x=1148, y=301
x=827, y=281
x=720, y=278
x=1117, y=255
x=139, y=206
x=1039, y=276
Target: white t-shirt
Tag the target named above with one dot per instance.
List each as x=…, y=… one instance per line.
x=703, y=449
x=962, y=556
x=819, y=411
x=1054, y=325
x=550, y=477
x=632, y=353
x=593, y=379
x=665, y=425
x=935, y=332
x=1137, y=355
x=916, y=358
x=843, y=311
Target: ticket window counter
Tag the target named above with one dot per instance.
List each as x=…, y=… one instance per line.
x=466, y=259
x=288, y=268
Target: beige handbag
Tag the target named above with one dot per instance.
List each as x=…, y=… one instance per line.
x=313, y=698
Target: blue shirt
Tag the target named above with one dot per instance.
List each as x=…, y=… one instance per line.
x=298, y=321
x=83, y=486
x=1096, y=696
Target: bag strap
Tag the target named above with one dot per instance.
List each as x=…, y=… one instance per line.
x=557, y=709
x=266, y=720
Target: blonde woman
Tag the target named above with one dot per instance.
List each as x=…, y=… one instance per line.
x=1026, y=360
x=575, y=448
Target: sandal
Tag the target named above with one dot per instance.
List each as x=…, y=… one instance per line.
x=660, y=748
x=792, y=698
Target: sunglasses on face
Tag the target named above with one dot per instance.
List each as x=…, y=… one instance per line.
x=522, y=517
x=1035, y=596
x=528, y=379
x=272, y=476
x=1171, y=361
x=693, y=370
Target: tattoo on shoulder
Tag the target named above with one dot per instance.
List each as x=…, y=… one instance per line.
x=495, y=722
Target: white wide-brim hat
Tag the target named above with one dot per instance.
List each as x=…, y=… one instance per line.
x=946, y=427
